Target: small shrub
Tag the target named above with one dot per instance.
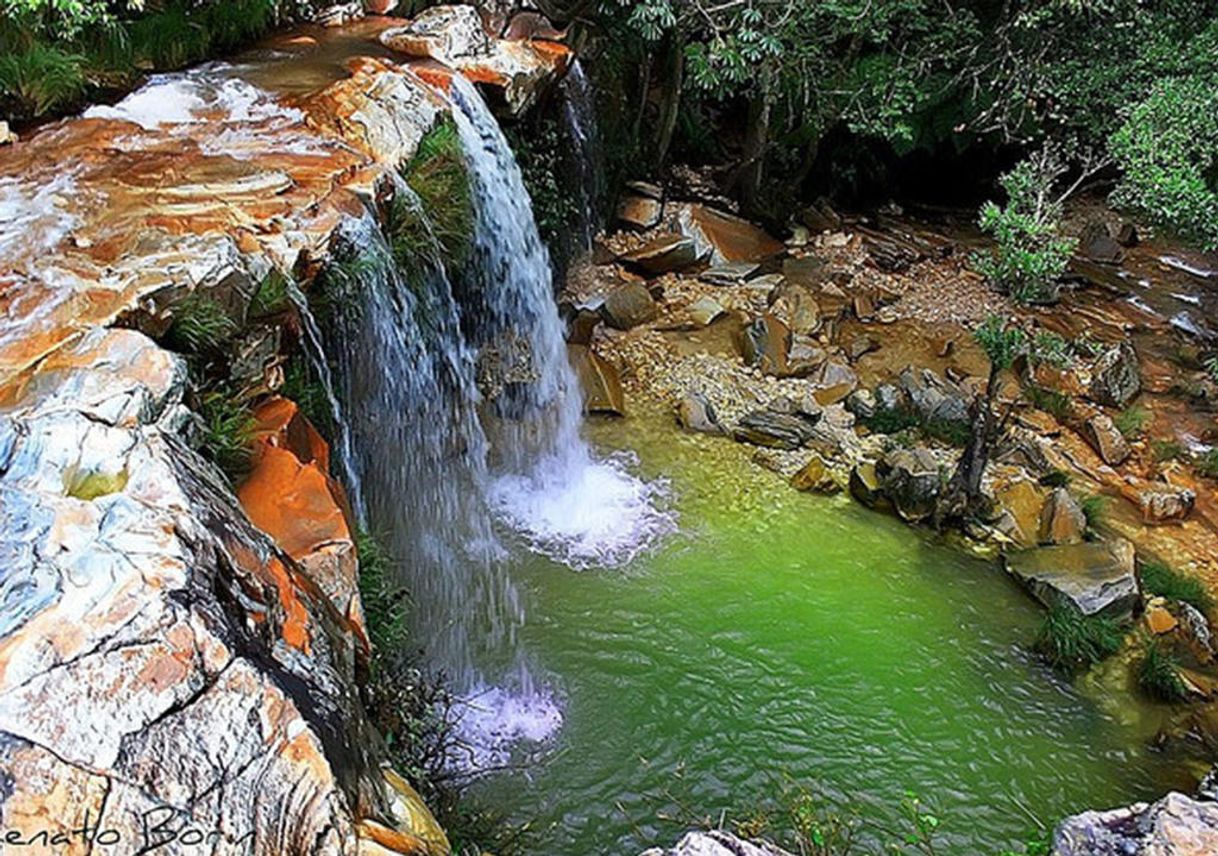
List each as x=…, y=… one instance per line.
x=200, y=326
x=228, y=431
x=1133, y=421
x=1051, y=349
x=1206, y=464
x=1030, y=253
x=1166, y=450
x=1051, y=401
x=892, y=420
x=1094, y=507
x=384, y=600
x=1055, y=478
x=1159, y=579
x=1168, y=150
x=1070, y=640
x=271, y=297
x=950, y=431
x=1159, y=673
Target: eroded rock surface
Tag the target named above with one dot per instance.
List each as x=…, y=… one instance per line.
x=1176, y=825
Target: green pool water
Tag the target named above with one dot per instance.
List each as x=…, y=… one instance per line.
x=788, y=636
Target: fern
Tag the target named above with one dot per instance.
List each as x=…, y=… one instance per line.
x=42, y=78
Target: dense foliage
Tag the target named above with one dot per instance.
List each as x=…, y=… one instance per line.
x=54, y=54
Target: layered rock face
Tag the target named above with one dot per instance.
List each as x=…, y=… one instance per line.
x=178, y=662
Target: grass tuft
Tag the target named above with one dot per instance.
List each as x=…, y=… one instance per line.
x=1094, y=508
x=228, y=431
x=1206, y=464
x=1070, y=640
x=1159, y=673
x=1051, y=401
x=1164, y=581
x=1133, y=422
x=437, y=174
x=200, y=326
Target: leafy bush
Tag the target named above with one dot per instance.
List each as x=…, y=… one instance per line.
x=1070, y=640
x=1159, y=673
x=1031, y=254
x=1133, y=421
x=1159, y=579
x=42, y=79
x=1168, y=150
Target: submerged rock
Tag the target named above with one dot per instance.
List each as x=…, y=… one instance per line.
x=815, y=477
x=1094, y=576
x=1176, y=825
x=716, y=843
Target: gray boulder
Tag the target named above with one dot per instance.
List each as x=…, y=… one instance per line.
x=1095, y=576
x=1176, y=825
x=629, y=306
x=912, y=480
x=775, y=430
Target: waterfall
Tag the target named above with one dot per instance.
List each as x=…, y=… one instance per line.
x=315, y=353
x=579, y=110
x=547, y=485
x=463, y=416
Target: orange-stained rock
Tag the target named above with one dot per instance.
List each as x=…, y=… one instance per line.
x=456, y=37
x=723, y=237
x=1159, y=620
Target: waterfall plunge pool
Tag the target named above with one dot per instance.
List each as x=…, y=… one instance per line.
x=780, y=636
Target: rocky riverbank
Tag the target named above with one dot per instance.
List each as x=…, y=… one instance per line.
x=844, y=360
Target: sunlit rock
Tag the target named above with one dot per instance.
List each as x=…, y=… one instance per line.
x=1176, y=825
x=1093, y=576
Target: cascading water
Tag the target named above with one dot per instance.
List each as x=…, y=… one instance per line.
x=579, y=110
x=547, y=486
x=316, y=354
x=437, y=463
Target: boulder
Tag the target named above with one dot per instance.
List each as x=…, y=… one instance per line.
x=1062, y=520
x=1101, y=434
x=640, y=212
x=628, y=306
x=796, y=305
x=1116, y=378
x=911, y=479
x=455, y=36
x=1127, y=234
x=1175, y=825
x=723, y=237
x=1196, y=631
x=815, y=477
x=774, y=429
x=716, y=842
x=861, y=403
x=766, y=343
x=1158, y=619
x=695, y=413
x=820, y=217
x=933, y=398
x=663, y=254
x=1093, y=576
x=833, y=381
x=1022, y=504
x=865, y=484
x=1097, y=244
x=1166, y=504
x=599, y=380
x=860, y=346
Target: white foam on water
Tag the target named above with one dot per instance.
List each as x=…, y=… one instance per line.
x=585, y=513
x=35, y=215
x=1180, y=264
x=490, y=724
x=185, y=99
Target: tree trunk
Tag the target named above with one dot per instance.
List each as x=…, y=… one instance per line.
x=962, y=497
x=672, y=99
x=752, y=170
